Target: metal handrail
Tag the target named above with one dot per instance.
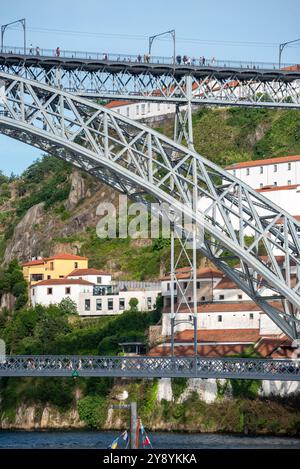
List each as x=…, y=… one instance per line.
x=144, y=58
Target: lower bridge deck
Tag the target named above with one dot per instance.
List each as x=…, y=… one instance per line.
x=150, y=367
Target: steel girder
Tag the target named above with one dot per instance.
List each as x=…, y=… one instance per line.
x=150, y=167
x=210, y=85
x=150, y=367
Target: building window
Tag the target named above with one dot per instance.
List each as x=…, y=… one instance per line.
x=149, y=302
x=289, y=182
x=148, y=107
x=261, y=170
x=185, y=284
x=143, y=109
x=98, y=304
x=221, y=297
x=240, y=297
x=219, y=318
x=261, y=185
x=122, y=303
x=110, y=304
x=275, y=168
x=33, y=292
x=137, y=110
x=247, y=171
x=251, y=316
x=168, y=286
x=76, y=265
x=51, y=265
x=198, y=285
x=127, y=111
x=87, y=305
x=202, y=298
x=49, y=291
x=68, y=291
x=99, y=280
x=289, y=166
x=36, y=277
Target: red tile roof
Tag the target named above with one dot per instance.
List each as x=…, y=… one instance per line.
x=63, y=281
x=34, y=262
x=61, y=255
x=267, y=161
x=277, y=188
x=225, y=307
x=204, y=272
x=67, y=257
x=226, y=284
x=117, y=103
x=79, y=272
x=214, y=350
x=219, y=335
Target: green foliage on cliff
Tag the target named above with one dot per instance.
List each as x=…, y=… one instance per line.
x=12, y=281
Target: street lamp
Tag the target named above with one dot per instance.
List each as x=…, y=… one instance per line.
x=282, y=46
x=4, y=26
x=171, y=32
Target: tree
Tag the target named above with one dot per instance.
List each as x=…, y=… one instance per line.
x=68, y=306
x=133, y=303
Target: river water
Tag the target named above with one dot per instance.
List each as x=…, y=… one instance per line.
x=159, y=440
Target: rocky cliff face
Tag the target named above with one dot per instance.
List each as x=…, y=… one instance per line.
x=36, y=232
x=36, y=418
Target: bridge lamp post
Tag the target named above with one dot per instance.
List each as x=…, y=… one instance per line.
x=5, y=26
x=171, y=32
x=282, y=46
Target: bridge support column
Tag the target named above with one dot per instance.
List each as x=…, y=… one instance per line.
x=183, y=127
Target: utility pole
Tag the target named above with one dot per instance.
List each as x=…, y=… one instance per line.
x=134, y=441
x=282, y=46
x=22, y=21
x=172, y=33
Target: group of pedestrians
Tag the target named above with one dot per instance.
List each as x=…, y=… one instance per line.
x=37, y=51
x=185, y=60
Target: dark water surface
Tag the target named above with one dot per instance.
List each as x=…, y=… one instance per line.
x=160, y=440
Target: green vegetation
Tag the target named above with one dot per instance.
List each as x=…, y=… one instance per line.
x=53, y=330
x=12, y=281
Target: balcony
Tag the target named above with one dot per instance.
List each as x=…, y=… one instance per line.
x=103, y=290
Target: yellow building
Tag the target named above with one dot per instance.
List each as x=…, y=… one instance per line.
x=57, y=266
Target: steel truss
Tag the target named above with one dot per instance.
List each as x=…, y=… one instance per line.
x=149, y=167
x=117, y=80
x=150, y=367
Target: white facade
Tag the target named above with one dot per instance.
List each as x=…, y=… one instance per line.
x=97, y=279
x=105, y=305
x=52, y=293
x=270, y=172
x=140, y=110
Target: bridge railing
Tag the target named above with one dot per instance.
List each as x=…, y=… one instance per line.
x=151, y=367
x=144, y=58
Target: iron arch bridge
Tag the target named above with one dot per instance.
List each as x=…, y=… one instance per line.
x=162, y=81
x=149, y=167
x=150, y=367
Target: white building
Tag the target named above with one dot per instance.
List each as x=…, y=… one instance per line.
x=95, y=294
x=221, y=305
x=271, y=172
x=139, y=110
x=95, y=276
x=53, y=291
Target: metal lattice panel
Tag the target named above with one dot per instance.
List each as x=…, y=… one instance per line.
x=162, y=83
x=151, y=367
x=149, y=167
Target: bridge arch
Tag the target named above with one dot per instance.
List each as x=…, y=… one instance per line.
x=147, y=166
